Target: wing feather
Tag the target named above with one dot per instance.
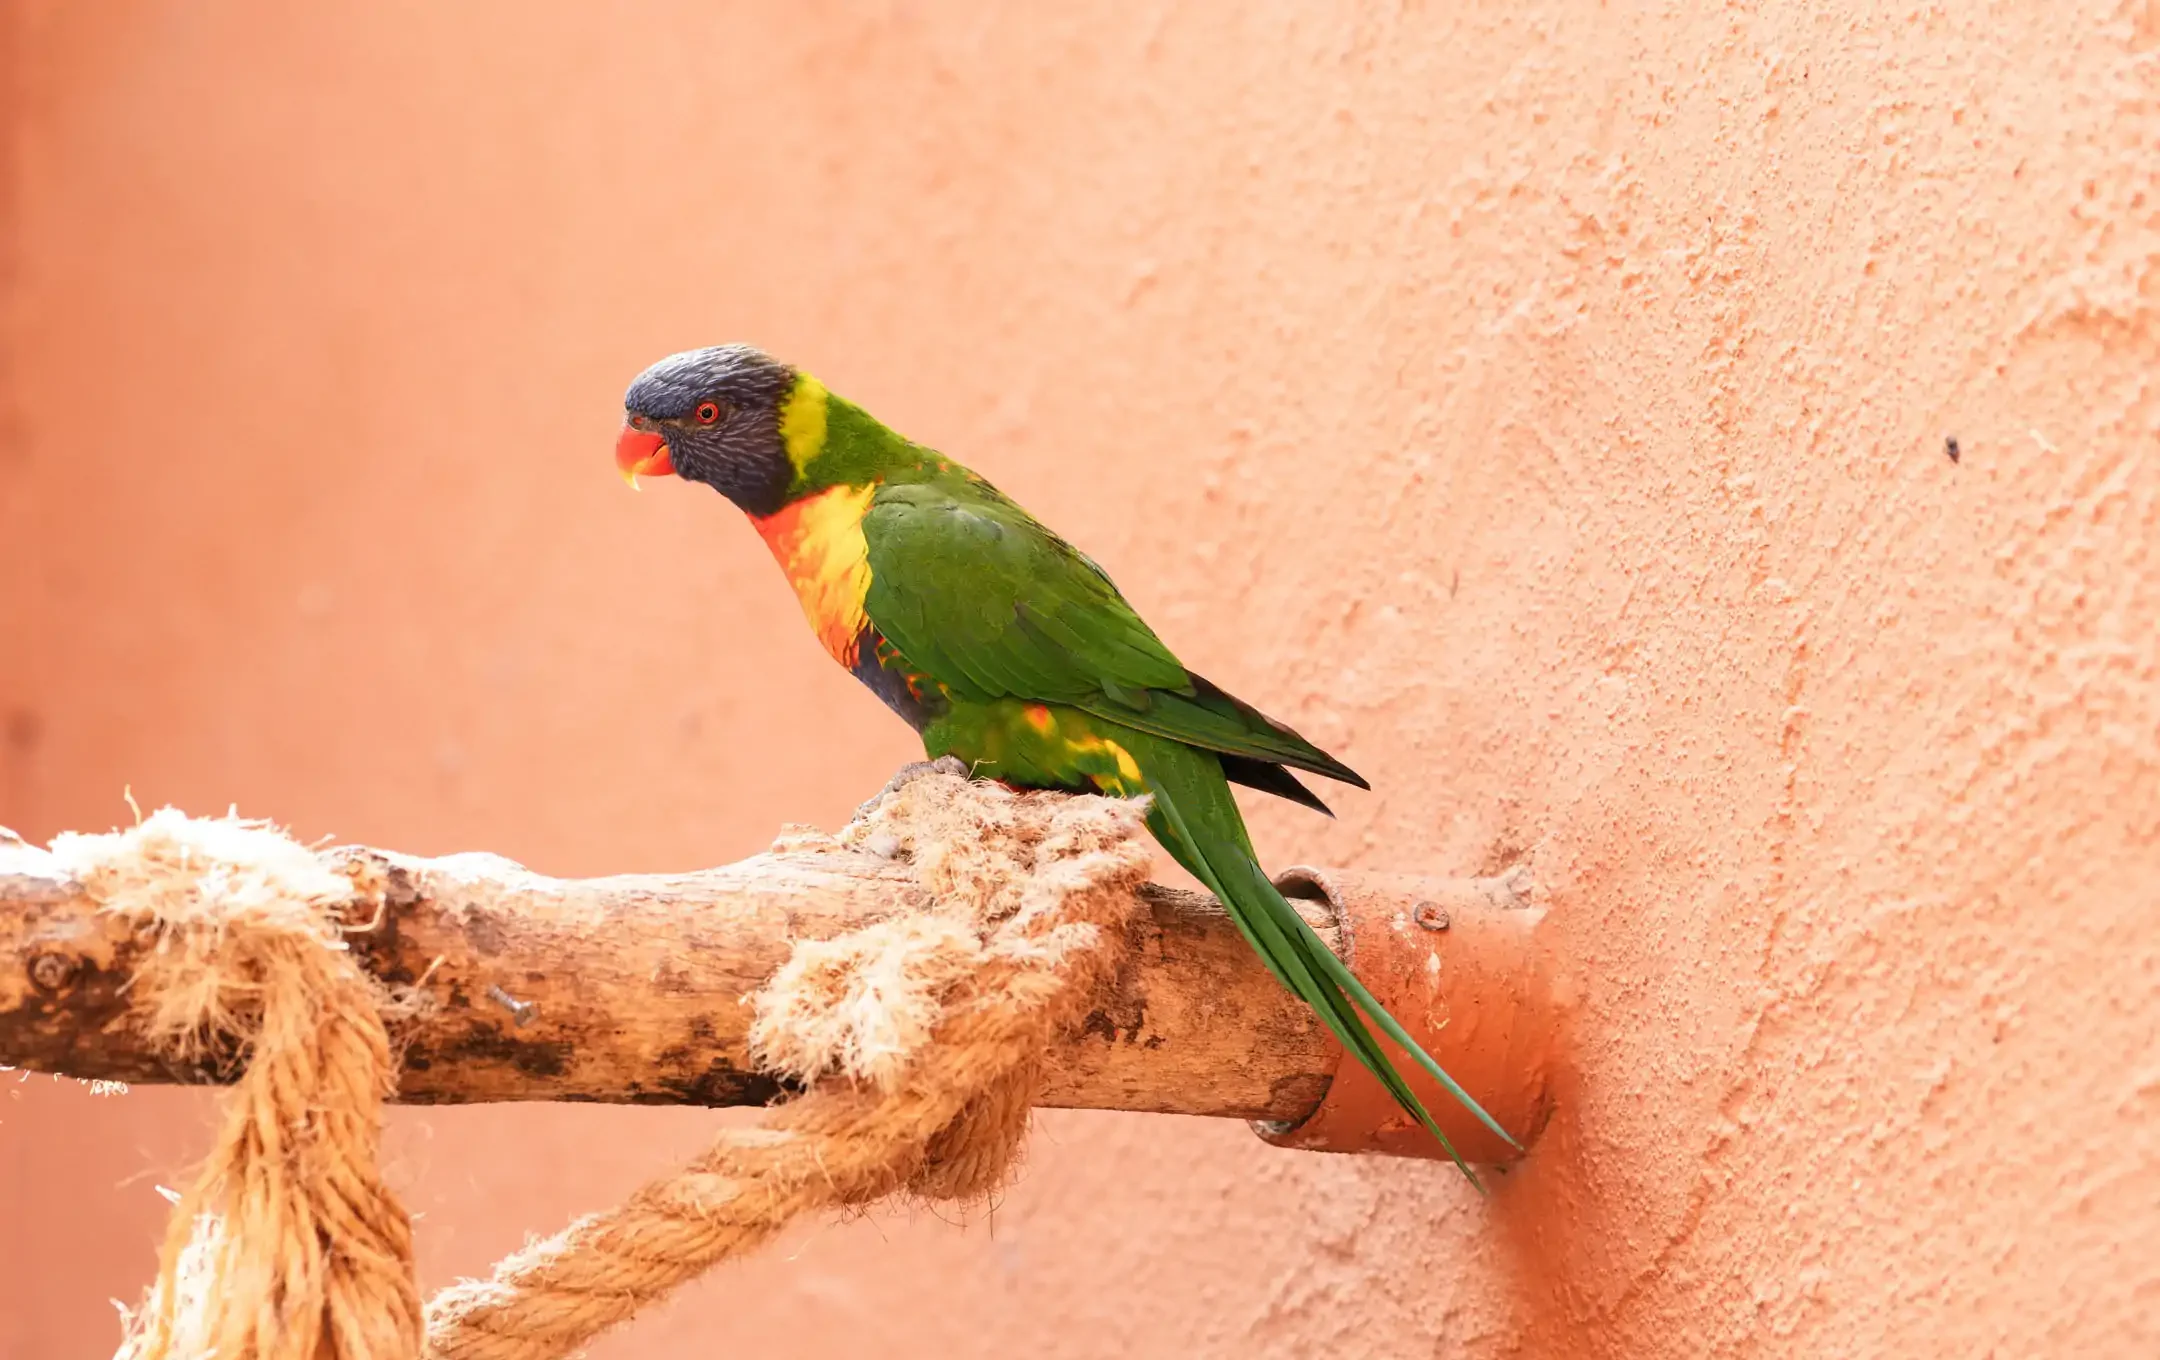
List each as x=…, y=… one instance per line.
x=993, y=605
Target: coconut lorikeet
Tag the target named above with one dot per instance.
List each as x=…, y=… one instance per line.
x=1001, y=644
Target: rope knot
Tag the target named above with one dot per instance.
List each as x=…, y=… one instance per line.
x=1017, y=883
x=920, y=1039
x=287, y=1246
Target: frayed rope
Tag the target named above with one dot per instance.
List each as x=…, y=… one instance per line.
x=921, y=1039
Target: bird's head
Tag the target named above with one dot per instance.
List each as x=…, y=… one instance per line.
x=711, y=416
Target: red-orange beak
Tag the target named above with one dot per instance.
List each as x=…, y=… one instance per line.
x=641, y=453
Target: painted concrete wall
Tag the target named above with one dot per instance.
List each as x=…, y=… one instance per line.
x=1542, y=404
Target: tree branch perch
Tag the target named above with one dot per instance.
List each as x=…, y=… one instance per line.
x=631, y=988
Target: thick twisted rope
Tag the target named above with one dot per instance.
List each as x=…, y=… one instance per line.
x=916, y=1091
x=287, y=1246
x=921, y=1038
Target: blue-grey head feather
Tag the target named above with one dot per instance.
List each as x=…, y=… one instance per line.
x=735, y=375
x=739, y=453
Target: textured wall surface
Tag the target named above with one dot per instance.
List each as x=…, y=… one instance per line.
x=1542, y=404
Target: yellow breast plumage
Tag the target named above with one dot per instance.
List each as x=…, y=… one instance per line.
x=818, y=542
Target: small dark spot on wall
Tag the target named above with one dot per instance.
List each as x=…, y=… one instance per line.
x=1506, y=851
x=1951, y=450
x=25, y=729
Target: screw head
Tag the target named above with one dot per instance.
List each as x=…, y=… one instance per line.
x=1430, y=915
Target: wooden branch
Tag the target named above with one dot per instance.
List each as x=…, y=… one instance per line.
x=631, y=988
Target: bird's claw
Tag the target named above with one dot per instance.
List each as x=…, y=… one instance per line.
x=914, y=770
x=909, y=773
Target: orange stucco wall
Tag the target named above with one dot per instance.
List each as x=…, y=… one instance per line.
x=1542, y=404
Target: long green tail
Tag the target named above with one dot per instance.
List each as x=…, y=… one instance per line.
x=1197, y=821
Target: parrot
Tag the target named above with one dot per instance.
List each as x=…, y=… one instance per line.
x=1004, y=646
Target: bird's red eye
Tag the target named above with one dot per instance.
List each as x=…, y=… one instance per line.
x=708, y=412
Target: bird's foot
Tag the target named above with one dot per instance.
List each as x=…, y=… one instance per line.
x=914, y=770
x=909, y=773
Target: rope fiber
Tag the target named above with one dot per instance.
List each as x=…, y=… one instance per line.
x=920, y=1039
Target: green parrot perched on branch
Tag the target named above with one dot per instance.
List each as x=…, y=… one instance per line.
x=1001, y=644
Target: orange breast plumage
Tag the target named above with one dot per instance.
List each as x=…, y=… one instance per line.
x=818, y=542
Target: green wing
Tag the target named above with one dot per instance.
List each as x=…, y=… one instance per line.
x=993, y=605
x=979, y=595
